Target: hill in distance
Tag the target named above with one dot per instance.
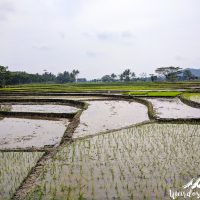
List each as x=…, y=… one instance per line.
x=195, y=72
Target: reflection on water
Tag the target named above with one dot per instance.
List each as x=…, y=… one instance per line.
x=27, y=133
x=107, y=115
x=173, y=108
x=44, y=108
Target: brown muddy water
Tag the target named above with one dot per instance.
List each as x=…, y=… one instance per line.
x=103, y=116
x=53, y=108
x=173, y=108
x=28, y=133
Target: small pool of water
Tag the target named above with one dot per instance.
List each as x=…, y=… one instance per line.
x=39, y=108
x=173, y=108
x=103, y=116
x=28, y=133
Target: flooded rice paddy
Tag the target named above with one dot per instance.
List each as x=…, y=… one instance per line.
x=173, y=108
x=102, y=116
x=139, y=162
x=142, y=162
x=38, y=108
x=29, y=133
x=14, y=167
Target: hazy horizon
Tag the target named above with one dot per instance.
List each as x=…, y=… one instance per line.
x=99, y=37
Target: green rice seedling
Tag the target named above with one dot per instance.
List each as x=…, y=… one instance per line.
x=14, y=167
x=192, y=97
x=134, y=163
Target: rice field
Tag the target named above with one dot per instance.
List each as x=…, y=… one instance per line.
x=111, y=150
x=101, y=87
x=14, y=167
x=142, y=162
x=192, y=97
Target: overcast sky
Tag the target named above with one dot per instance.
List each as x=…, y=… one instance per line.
x=99, y=37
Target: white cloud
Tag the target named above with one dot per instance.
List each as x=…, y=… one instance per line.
x=60, y=34
x=6, y=8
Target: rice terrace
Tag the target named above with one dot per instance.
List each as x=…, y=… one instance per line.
x=99, y=100
x=98, y=140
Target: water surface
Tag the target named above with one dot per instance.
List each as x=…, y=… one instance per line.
x=28, y=133
x=107, y=115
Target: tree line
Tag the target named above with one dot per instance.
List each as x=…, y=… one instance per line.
x=162, y=73
x=170, y=73
x=12, y=78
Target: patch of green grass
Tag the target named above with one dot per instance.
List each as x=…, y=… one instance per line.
x=192, y=97
x=166, y=94
x=155, y=94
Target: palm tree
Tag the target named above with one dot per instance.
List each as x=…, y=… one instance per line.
x=75, y=74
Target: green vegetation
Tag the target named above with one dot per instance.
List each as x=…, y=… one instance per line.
x=4, y=74
x=155, y=94
x=192, y=97
x=100, y=87
x=143, y=162
x=14, y=78
x=14, y=167
x=171, y=73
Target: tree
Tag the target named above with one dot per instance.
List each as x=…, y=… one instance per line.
x=187, y=75
x=64, y=77
x=127, y=75
x=113, y=76
x=170, y=73
x=48, y=77
x=106, y=78
x=143, y=76
x=153, y=77
x=4, y=76
x=67, y=77
x=73, y=75
x=133, y=75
